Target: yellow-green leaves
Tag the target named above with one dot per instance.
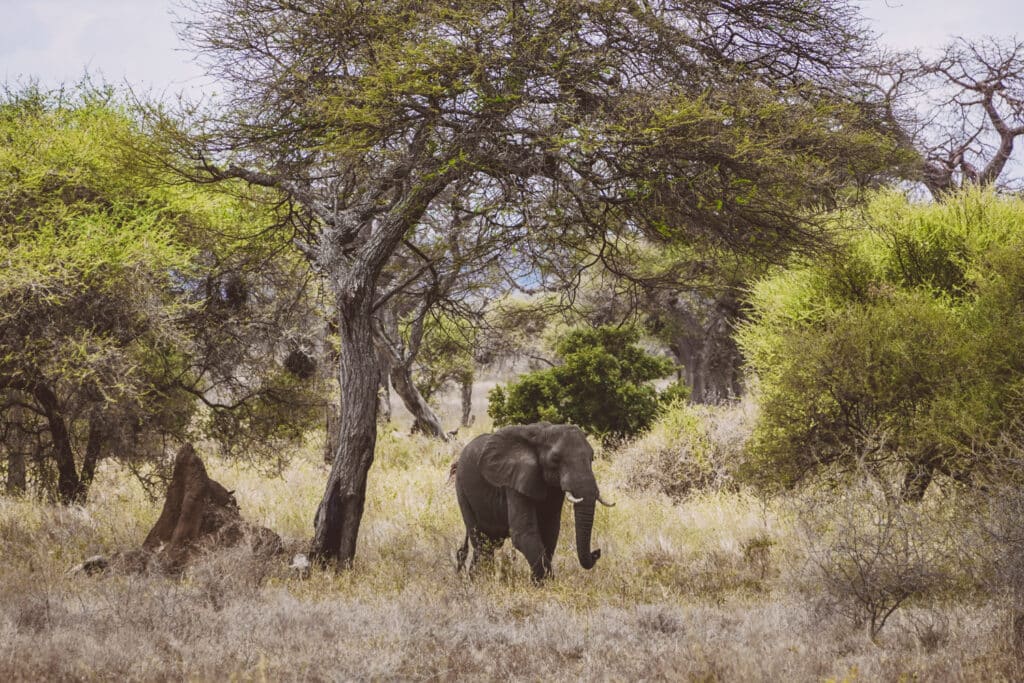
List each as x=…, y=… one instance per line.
x=902, y=348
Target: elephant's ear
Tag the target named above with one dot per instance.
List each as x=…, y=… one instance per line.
x=510, y=459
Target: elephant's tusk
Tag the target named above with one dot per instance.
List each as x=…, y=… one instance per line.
x=602, y=502
x=572, y=498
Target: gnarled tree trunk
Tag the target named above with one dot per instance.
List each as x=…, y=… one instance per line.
x=400, y=359
x=69, y=486
x=425, y=420
x=704, y=346
x=93, y=451
x=466, y=387
x=341, y=509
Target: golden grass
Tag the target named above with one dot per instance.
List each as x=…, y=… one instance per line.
x=701, y=590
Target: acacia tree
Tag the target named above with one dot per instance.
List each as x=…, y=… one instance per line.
x=693, y=316
x=572, y=121
x=461, y=264
x=449, y=354
x=125, y=304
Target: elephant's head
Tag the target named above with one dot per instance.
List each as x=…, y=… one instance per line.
x=538, y=458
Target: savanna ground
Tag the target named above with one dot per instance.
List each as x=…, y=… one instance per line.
x=717, y=586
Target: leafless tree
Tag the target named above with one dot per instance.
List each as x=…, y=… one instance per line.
x=962, y=110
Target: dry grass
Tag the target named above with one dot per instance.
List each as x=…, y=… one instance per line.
x=705, y=589
x=691, y=448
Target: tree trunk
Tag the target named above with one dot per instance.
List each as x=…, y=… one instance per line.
x=16, y=479
x=93, y=453
x=916, y=481
x=69, y=487
x=384, y=393
x=467, y=401
x=341, y=509
x=705, y=348
x=425, y=420
x=333, y=436
x=398, y=361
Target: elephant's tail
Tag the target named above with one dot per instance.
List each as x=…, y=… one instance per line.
x=451, y=471
x=462, y=554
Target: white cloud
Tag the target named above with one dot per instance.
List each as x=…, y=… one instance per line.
x=57, y=41
x=927, y=24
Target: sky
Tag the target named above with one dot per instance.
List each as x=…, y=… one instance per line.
x=134, y=41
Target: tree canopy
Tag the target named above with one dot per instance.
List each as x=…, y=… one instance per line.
x=566, y=127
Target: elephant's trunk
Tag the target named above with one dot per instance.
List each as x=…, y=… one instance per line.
x=584, y=525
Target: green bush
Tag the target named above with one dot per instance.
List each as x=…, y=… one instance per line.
x=603, y=386
x=902, y=352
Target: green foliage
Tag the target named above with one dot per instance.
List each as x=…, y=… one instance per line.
x=115, y=314
x=779, y=159
x=902, y=349
x=676, y=393
x=445, y=354
x=602, y=385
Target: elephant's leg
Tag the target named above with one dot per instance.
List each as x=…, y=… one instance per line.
x=549, y=521
x=483, y=550
x=525, y=529
x=461, y=553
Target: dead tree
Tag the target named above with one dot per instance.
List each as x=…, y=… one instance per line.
x=962, y=110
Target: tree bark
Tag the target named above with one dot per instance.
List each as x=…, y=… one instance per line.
x=69, y=487
x=333, y=437
x=93, y=453
x=341, y=509
x=467, y=401
x=16, y=479
x=425, y=420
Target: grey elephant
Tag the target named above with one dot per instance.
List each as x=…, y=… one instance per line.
x=512, y=484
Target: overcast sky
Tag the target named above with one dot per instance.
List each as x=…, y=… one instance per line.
x=56, y=41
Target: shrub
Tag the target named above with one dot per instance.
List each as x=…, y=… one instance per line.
x=861, y=391
x=904, y=348
x=689, y=448
x=603, y=386
x=870, y=554
x=1000, y=548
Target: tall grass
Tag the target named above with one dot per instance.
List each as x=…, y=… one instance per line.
x=710, y=587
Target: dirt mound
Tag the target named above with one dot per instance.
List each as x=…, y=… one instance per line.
x=199, y=514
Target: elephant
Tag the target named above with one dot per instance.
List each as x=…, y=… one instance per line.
x=511, y=483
